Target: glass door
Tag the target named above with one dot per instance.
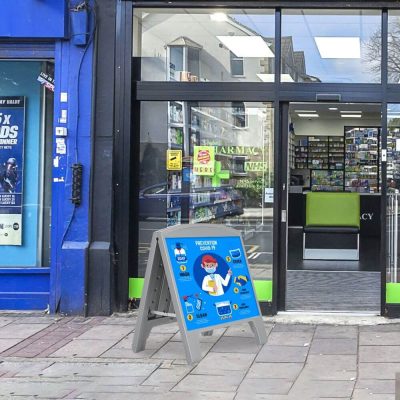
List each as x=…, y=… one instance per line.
x=392, y=206
x=333, y=229
x=210, y=162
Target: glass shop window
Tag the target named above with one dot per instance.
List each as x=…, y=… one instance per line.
x=200, y=45
x=26, y=109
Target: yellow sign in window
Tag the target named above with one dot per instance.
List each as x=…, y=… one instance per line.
x=174, y=160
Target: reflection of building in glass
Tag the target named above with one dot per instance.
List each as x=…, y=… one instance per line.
x=227, y=50
x=294, y=64
x=215, y=51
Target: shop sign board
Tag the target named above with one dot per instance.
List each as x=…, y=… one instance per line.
x=174, y=160
x=204, y=160
x=12, y=121
x=200, y=275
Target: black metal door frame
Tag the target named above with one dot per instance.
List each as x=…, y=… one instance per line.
x=280, y=268
x=129, y=93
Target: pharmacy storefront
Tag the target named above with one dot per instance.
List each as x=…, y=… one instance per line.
x=278, y=119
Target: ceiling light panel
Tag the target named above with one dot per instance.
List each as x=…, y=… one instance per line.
x=338, y=47
x=308, y=115
x=219, y=17
x=351, y=115
x=247, y=46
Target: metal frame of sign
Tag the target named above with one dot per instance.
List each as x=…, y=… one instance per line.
x=160, y=301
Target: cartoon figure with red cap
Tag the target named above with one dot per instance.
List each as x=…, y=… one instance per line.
x=213, y=283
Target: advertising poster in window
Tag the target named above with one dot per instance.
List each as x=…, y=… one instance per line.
x=204, y=160
x=12, y=131
x=213, y=280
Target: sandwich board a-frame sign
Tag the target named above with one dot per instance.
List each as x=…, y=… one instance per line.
x=199, y=275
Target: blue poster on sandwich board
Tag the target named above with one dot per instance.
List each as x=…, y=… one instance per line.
x=212, y=279
x=12, y=132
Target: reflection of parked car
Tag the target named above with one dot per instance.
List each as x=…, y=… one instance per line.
x=219, y=202
x=153, y=202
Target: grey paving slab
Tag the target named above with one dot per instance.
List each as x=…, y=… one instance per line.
x=380, y=328
x=217, y=333
x=288, y=371
x=6, y=344
x=154, y=341
x=212, y=383
x=380, y=338
x=167, y=328
x=87, y=369
x=336, y=332
x=116, y=332
x=118, y=353
x=331, y=367
x=365, y=394
x=173, y=374
x=5, y=321
x=24, y=368
x=237, y=344
x=279, y=327
x=123, y=348
x=265, y=385
x=158, y=396
x=121, y=320
x=379, y=354
x=49, y=390
x=334, y=346
x=244, y=330
x=310, y=389
x=84, y=348
x=37, y=319
x=378, y=370
x=175, y=350
x=290, y=338
x=377, y=386
x=212, y=363
x=21, y=331
x=281, y=354
x=261, y=396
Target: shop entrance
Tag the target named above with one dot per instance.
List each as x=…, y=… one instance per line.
x=333, y=207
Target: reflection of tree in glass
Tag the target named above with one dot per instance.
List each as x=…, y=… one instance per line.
x=373, y=54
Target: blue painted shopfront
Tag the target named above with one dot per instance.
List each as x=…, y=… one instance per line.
x=30, y=31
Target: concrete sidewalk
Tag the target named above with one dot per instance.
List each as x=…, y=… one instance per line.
x=43, y=357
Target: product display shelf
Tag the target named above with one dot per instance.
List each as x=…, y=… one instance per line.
x=301, y=154
x=292, y=150
x=318, y=152
x=213, y=197
x=336, y=153
x=362, y=159
x=393, y=154
x=211, y=116
x=326, y=181
x=176, y=136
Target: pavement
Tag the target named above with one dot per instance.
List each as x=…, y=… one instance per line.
x=317, y=357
